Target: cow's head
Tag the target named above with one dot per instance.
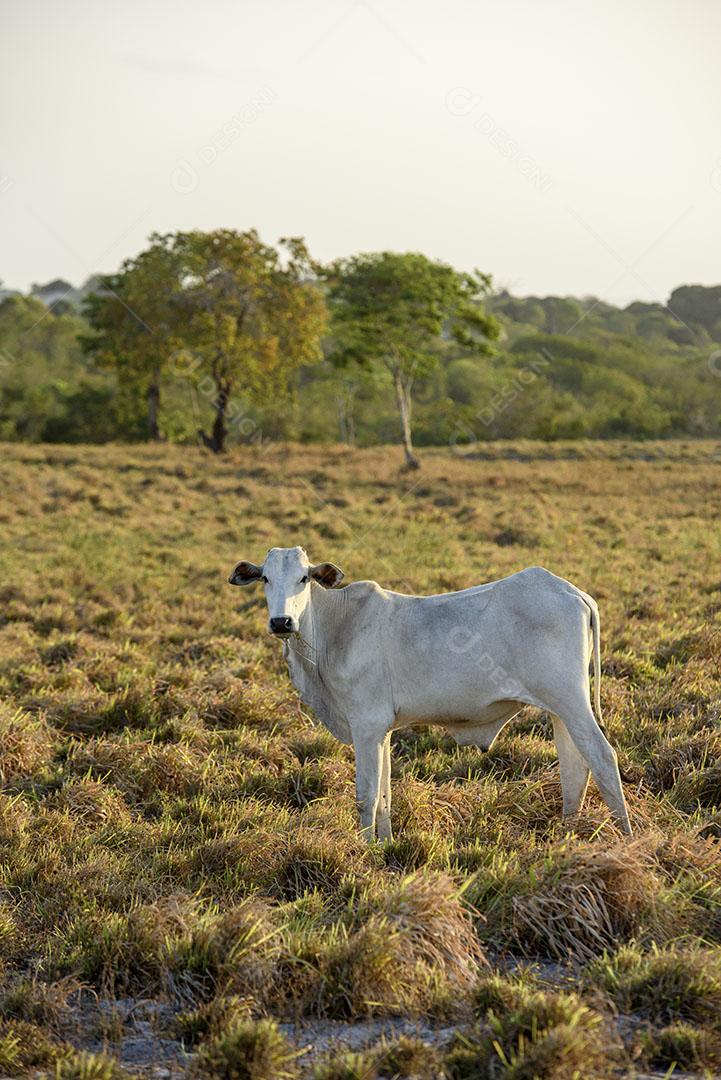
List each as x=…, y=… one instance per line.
x=287, y=575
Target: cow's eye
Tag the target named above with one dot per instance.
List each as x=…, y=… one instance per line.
x=304, y=579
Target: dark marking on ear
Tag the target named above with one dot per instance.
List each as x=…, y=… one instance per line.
x=245, y=573
x=327, y=574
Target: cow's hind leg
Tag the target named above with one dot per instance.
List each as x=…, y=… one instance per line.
x=573, y=768
x=383, y=818
x=596, y=750
x=368, y=768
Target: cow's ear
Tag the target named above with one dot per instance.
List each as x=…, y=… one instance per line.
x=245, y=573
x=327, y=574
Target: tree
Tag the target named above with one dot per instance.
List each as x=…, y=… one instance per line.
x=250, y=314
x=698, y=307
x=393, y=310
x=49, y=392
x=134, y=318
x=242, y=312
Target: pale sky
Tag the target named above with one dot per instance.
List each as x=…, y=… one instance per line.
x=564, y=147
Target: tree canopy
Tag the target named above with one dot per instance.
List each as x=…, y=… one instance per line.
x=394, y=309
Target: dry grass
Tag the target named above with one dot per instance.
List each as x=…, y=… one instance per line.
x=588, y=899
x=26, y=744
x=173, y=825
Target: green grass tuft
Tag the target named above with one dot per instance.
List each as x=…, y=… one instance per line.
x=248, y=1050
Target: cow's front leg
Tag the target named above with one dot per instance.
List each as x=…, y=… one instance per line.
x=368, y=744
x=383, y=820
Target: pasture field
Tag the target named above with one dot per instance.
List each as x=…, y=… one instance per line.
x=180, y=868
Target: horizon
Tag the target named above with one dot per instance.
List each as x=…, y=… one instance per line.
x=564, y=151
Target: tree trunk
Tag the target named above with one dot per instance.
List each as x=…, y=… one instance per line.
x=342, y=433
x=154, y=407
x=403, y=400
x=346, y=419
x=216, y=441
x=350, y=423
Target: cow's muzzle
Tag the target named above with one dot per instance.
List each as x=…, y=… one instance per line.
x=282, y=625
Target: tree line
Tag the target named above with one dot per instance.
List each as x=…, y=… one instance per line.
x=218, y=337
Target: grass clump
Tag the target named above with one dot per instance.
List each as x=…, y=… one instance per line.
x=404, y=1057
x=37, y=1002
x=676, y=983
x=85, y=1066
x=433, y=925
x=24, y=1045
x=701, y=788
x=296, y=787
x=679, y=756
x=91, y=802
x=139, y=770
x=212, y=1017
x=683, y=1046
x=347, y=1065
x=26, y=744
x=586, y=899
x=498, y=993
x=409, y=1056
x=310, y=860
x=408, y=950
x=536, y=1036
x=414, y=849
x=175, y=946
x=248, y=1050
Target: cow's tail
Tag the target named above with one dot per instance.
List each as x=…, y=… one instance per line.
x=596, y=635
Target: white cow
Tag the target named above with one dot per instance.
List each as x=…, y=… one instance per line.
x=369, y=661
